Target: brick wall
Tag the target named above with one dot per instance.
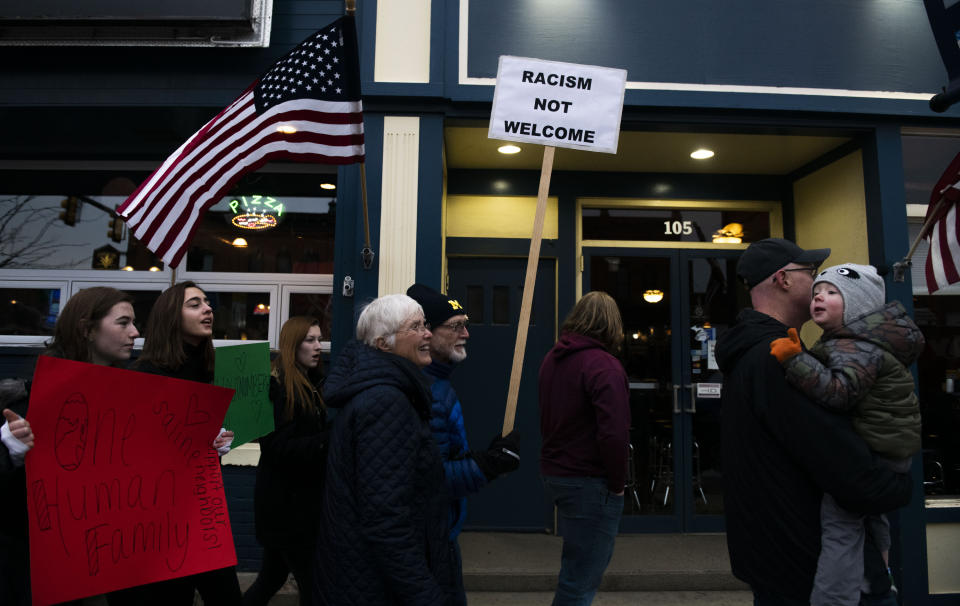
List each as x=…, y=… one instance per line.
x=238, y=482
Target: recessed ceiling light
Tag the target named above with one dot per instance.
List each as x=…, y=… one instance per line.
x=327, y=186
x=239, y=242
x=702, y=154
x=508, y=149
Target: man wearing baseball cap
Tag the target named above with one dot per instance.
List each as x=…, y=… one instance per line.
x=465, y=471
x=781, y=452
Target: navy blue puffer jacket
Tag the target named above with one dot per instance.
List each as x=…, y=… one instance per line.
x=383, y=536
x=462, y=475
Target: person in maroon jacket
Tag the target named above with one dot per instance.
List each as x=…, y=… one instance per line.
x=585, y=423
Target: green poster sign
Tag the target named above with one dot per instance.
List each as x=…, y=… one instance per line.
x=246, y=368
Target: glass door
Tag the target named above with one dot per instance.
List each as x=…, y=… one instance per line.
x=711, y=297
x=675, y=304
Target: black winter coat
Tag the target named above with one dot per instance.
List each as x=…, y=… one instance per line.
x=781, y=452
x=219, y=586
x=14, y=547
x=383, y=537
x=13, y=481
x=193, y=367
x=286, y=500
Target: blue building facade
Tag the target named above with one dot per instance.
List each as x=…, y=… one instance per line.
x=817, y=114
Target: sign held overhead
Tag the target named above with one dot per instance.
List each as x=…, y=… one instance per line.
x=558, y=104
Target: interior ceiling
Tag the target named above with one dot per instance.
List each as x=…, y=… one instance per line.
x=649, y=152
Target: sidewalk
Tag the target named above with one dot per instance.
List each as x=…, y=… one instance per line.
x=619, y=598
x=501, y=561
x=520, y=569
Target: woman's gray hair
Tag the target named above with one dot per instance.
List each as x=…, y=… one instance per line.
x=383, y=317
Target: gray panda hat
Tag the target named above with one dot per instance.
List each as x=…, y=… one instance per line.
x=860, y=286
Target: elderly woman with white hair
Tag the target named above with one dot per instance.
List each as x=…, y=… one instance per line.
x=383, y=536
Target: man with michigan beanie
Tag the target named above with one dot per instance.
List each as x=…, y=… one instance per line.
x=465, y=471
x=781, y=451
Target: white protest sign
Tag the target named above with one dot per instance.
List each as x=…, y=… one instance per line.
x=558, y=104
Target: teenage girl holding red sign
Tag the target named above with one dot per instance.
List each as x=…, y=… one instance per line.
x=178, y=343
x=97, y=326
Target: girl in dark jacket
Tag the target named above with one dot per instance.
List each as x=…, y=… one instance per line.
x=97, y=326
x=292, y=464
x=178, y=343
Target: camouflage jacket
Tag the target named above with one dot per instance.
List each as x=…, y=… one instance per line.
x=861, y=369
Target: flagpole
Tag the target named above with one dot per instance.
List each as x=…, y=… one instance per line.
x=367, y=253
x=900, y=267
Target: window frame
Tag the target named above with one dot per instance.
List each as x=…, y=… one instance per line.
x=278, y=287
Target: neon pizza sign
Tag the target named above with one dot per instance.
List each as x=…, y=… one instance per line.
x=256, y=212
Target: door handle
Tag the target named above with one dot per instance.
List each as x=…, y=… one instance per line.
x=693, y=399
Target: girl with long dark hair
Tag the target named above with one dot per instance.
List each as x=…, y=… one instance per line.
x=178, y=343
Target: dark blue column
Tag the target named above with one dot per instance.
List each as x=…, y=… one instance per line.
x=430, y=202
x=888, y=243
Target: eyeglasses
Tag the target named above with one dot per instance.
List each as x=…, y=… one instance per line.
x=457, y=326
x=419, y=327
x=810, y=269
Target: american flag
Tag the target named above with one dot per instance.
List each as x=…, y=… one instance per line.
x=943, y=260
x=305, y=108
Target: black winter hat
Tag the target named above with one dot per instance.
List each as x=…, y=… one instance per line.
x=437, y=308
x=764, y=257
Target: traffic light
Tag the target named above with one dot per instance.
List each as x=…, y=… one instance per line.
x=116, y=229
x=71, y=211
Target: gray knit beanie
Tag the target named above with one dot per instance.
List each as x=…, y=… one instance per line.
x=860, y=285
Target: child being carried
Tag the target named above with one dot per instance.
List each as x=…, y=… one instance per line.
x=858, y=367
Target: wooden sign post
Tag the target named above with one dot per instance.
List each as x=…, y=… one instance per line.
x=555, y=105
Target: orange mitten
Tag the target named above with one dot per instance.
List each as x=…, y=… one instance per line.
x=785, y=348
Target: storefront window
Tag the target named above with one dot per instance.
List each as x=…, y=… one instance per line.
x=266, y=234
x=938, y=316
x=59, y=233
x=314, y=305
x=143, y=301
x=939, y=391
x=28, y=311
x=240, y=315
x=64, y=232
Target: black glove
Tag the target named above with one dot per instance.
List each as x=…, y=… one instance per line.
x=503, y=455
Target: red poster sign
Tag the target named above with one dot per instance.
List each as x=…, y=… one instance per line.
x=123, y=485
